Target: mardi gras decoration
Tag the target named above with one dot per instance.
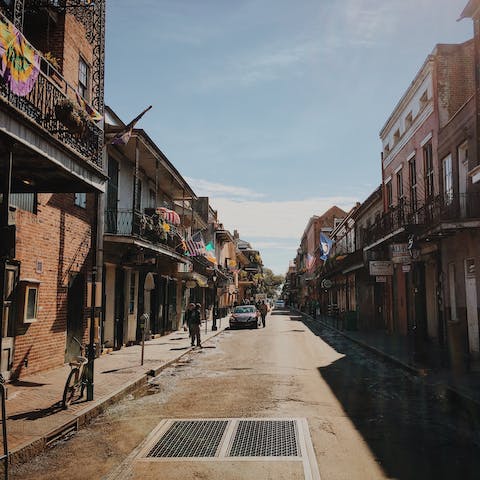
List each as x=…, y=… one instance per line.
x=19, y=62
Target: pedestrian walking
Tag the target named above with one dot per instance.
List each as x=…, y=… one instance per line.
x=188, y=317
x=263, y=309
x=195, y=320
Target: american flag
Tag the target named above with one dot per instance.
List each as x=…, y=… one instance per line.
x=196, y=246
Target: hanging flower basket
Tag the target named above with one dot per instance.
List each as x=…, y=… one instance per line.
x=69, y=115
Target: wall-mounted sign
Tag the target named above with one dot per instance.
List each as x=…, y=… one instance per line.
x=400, y=253
x=406, y=268
x=381, y=268
x=381, y=279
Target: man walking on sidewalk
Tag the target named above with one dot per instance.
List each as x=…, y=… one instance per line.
x=194, y=326
x=263, y=309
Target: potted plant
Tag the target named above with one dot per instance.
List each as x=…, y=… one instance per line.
x=71, y=116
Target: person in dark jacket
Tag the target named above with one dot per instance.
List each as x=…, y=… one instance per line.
x=195, y=320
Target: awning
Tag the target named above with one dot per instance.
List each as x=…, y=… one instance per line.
x=201, y=280
x=168, y=215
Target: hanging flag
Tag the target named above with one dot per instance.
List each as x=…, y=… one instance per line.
x=325, y=245
x=123, y=137
x=209, y=247
x=91, y=112
x=310, y=262
x=196, y=245
x=19, y=62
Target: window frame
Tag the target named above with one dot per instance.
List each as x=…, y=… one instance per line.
x=83, y=78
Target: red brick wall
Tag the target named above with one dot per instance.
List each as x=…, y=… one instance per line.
x=75, y=45
x=59, y=236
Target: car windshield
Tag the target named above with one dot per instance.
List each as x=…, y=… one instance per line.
x=247, y=309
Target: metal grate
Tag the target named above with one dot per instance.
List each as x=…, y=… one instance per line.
x=265, y=438
x=190, y=438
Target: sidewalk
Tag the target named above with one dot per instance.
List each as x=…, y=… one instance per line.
x=463, y=388
x=35, y=417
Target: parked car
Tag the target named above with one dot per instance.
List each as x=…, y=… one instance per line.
x=279, y=303
x=244, y=316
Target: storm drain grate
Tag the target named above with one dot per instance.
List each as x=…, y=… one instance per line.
x=265, y=438
x=189, y=438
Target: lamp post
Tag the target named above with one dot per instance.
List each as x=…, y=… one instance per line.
x=214, y=315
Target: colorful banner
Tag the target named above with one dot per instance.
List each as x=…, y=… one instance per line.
x=19, y=62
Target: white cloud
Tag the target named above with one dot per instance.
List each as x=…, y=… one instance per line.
x=274, y=219
x=206, y=188
x=242, y=209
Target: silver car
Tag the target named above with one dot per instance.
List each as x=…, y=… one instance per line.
x=244, y=316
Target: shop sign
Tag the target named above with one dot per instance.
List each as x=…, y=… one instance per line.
x=381, y=268
x=406, y=268
x=381, y=279
x=400, y=253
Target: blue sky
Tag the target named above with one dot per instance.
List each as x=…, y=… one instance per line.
x=272, y=108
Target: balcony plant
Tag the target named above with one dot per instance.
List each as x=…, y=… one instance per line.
x=71, y=116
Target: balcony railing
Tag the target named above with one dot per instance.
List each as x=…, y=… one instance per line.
x=150, y=228
x=39, y=107
x=442, y=208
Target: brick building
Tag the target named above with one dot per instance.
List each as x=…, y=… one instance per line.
x=419, y=193
x=52, y=171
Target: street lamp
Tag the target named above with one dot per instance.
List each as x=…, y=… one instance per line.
x=214, y=316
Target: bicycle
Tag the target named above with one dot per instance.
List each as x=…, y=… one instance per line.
x=76, y=380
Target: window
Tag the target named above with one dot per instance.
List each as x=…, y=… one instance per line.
x=412, y=170
x=408, y=121
x=389, y=194
x=83, y=78
x=424, y=100
x=387, y=149
x=447, y=179
x=81, y=200
x=152, y=197
x=396, y=137
x=428, y=168
x=25, y=201
x=138, y=198
x=29, y=289
x=399, y=187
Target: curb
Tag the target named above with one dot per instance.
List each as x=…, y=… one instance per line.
x=25, y=452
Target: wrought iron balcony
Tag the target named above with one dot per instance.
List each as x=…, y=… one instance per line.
x=150, y=228
x=451, y=207
x=39, y=108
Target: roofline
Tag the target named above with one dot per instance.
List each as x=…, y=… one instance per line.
x=175, y=173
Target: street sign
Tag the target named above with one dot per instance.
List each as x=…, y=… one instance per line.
x=381, y=268
x=400, y=253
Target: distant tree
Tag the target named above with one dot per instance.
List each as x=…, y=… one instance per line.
x=271, y=282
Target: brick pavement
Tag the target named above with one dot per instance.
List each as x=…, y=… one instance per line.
x=34, y=414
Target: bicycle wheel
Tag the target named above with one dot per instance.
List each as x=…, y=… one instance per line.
x=71, y=388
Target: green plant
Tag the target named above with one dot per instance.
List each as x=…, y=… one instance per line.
x=52, y=59
x=71, y=116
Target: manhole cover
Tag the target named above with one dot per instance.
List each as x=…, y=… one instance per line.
x=189, y=438
x=265, y=438
x=234, y=445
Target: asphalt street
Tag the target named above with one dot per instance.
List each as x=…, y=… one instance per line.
x=367, y=419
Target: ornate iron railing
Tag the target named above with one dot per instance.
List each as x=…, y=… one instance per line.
x=147, y=227
x=39, y=107
x=442, y=208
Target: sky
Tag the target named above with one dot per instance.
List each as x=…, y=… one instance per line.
x=272, y=108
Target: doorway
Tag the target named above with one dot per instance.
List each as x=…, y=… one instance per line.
x=472, y=307
x=75, y=315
